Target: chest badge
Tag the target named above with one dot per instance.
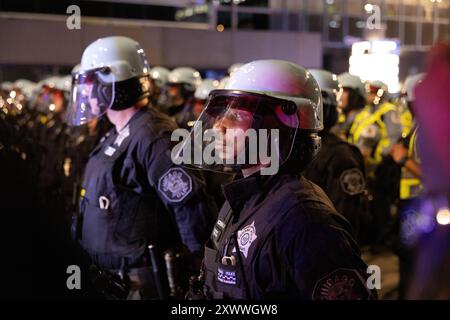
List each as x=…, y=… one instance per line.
x=110, y=151
x=246, y=236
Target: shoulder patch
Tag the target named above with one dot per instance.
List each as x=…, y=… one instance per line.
x=246, y=236
x=352, y=181
x=175, y=184
x=341, y=284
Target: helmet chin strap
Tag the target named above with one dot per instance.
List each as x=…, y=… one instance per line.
x=128, y=92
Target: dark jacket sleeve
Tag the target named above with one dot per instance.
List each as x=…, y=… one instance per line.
x=346, y=185
x=322, y=258
x=183, y=193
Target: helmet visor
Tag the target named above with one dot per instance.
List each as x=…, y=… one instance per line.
x=91, y=96
x=237, y=130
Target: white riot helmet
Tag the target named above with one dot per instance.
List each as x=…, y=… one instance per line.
x=234, y=67
x=7, y=86
x=64, y=83
x=75, y=69
x=261, y=95
x=329, y=84
x=49, y=82
x=25, y=86
x=375, y=85
x=353, y=82
x=331, y=94
x=203, y=90
x=160, y=76
x=410, y=84
x=377, y=88
x=22, y=83
x=223, y=82
x=114, y=74
x=189, y=78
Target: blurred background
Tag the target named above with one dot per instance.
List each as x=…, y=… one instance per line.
x=314, y=33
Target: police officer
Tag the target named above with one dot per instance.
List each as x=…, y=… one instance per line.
x=338, y=168
x=53, y=134
x=159, y=77
x=405, y=154
x=194, y=106
x=132, y=194
x=384, y=115
x=182, y=83
x=277, y=235
x=352, y=102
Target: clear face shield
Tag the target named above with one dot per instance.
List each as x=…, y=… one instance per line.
x=92, y=94
x=238, y=130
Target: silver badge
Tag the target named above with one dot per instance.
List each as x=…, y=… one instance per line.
x=246, y=236
x=175, y=184
x=110, y=151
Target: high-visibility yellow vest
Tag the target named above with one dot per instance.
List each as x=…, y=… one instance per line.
x=410, y=185
x=407, y=122
x=355, y=130
x=341, y=118
x=366, y=118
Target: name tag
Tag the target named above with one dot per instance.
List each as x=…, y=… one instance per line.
x=110, y=151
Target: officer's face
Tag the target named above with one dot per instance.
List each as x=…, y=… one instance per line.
x=174, y=90
x=58, y=101
x=231, y=128
x=93, y=102
x=198, y=107
x=343, y=103
x=371, y=97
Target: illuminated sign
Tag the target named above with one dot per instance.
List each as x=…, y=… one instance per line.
x=376, y=60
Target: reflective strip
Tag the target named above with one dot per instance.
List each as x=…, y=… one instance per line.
x=412, y=144
x=82, y=192
x=407, y=122
x=354, y=133
x=365, y=119
x=406, y=185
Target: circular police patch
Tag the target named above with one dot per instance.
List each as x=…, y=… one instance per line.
x=175, y=184
x=341, y=284
x=352, y=181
